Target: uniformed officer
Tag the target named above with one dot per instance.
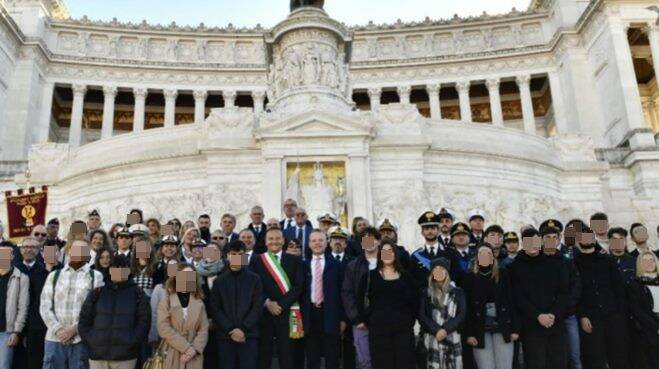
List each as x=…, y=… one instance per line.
x=389, y=229
x=445, y=223
x=554, y=223
x=326, y=221
x=421, y=258
x=511, y=242
x=460, y=239
x=476, y=219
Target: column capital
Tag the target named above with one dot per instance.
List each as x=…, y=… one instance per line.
x=200, y=94
x=79, y=89
x=492, y=83
x=433, y=88
x=523, y=80
x=374, y=92
x=258, y=95
x=170, y=94
x=229, y=94
x=463, y=86
x=140, y=92
x=110, y=91
x=404, y=90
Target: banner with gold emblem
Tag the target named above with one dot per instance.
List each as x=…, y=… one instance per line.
x=25, y=210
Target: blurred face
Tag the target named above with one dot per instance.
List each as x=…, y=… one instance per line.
x=168, y=250
x=587, y=240
x=317, y=243
x=570, y=235
x=289, y=208
x=640, y=234
x=617, y=244
x=485, y=257
x=648, y=264
x=387, y=255
x=186, y=280
x=39, y=232
x=93, y=222
x=50, y=254
x=79, y=251
x=439, y=274
x=294, y=249
x=430, y=232
x=512, y=247
x=197, y=252
x=29, y=250
x=256, y=215
x=124, y=242
x=274, y=240
x=247, y=237
x=369, y=244
x=550, y=242
x=600, y=227
x=227, y=225
x=495, y=239
x=211, y=253
x=104, y=259
x=445, y=225
x=6, y=256
x=237, y=259
x=476, y=224
x=52, y=230
x=96, y=241
x=338, y=244
x=118, y=275
x=531, y=245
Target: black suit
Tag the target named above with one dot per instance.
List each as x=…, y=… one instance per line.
x=277, y=326
x=259, y=236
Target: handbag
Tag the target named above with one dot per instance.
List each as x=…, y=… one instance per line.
x=157, y=360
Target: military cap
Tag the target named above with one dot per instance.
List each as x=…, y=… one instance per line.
x=93, y=213
x=551, y=223
x=442, y=262
x=53, y=221
x=198, y=242
x=169, y=239
x=510, y=236
x=428, y=218
x=460, y=228
x=327, y=217
x=445, y=213
x=386, y=224
x=493, y=228
x=137, y=229
x=123, y=231
x=338, y=232
x=476, y=213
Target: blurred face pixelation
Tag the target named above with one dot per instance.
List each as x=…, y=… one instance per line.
x=599, y=226
x=387, y=255
x=186, y=280
x=550, y=241
x=368, y=243
x=118, y=275
x=617, y=244
x=237, y=260
x=211, y=253
x=439, y=274
x=80, y=251
x=142, y=250
x=172, y=267
x=531, y=245
x=640, y=234
x=485, y=257
x=50, y=254
x=648, y=264
x=6, y=254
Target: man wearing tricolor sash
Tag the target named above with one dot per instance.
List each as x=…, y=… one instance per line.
x=282, y=277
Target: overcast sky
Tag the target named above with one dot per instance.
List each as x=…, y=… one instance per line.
x=269, y=12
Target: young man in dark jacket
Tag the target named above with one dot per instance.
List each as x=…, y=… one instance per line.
x=236, y=302
x=541, y=293
x=601, y=308
x=618, y=249
x=115, y=319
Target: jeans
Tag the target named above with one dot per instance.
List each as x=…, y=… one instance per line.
x=573, y=343
x=6, y=352
x=360, y=337
x=59, y=356
x=234, y=355
x=496, y=354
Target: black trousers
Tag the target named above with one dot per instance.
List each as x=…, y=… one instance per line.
x=545, y=350
x=650, y=356
x=274, y=332
x=608, y=344
x=347, y=349
x=34, y=346
x=391, y=347
x=320, y=344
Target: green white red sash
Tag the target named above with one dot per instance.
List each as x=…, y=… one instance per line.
x=277, y=273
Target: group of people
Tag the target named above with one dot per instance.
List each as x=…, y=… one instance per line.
x=583, y=295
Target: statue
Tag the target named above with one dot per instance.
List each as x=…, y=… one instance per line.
x=319, y=196
x=295, y=4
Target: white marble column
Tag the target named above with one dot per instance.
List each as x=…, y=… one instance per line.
x=465, y=102
x=229, y=97
x=258, y=96
x=273, y=182
x=495, y=101
x=433, y=100
x=374, y=94
x=199, y=105
x=140, y=95
x=170, y=107
x=109, y=93
x=358, y=173
x=404, y=93
x=524, y=84
x=653, y=37
x=558, y=103
x=75, y=128
x=46, y=112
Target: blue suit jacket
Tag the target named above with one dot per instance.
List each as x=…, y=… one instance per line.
x=333, y=312
x=292, y=233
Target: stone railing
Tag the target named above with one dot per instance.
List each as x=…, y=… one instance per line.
x=9, y=168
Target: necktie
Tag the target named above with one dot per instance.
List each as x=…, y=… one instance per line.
x=432, y=251
x=338, y=257
x=318, y=282
x=257, y=229
x=446, y=241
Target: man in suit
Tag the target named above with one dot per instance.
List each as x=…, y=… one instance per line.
x=281, y=316
x=246, y=236
x=476, y=223
x=228, y=224
x=258, y=227
x=445, y=224
x=300, y=231
x=337, y=250
x=289, y=208
x=322, y=308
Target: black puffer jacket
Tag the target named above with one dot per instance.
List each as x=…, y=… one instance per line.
x=114, y=321
x=646, y=322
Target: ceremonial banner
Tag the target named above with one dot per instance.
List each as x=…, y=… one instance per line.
x=25, y=210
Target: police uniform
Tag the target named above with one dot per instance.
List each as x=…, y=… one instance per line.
x=403, y=254
x=466, y=255
x=476, y=239
x=445, y=240
x=420, y=259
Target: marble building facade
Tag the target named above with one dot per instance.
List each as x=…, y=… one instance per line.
x=548, y=111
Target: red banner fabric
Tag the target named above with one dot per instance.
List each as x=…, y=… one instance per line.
x=25, y=211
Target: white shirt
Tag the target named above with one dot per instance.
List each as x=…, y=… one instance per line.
x=288, y=222
x=123, y=252
x=314, y=267
x=341, y=256
x=433, y=248
x=257, y=227
x=654, y=291
x=29, y=265
x=372, y=263
x=249, y=255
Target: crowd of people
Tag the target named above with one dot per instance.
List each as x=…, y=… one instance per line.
x=546, y=296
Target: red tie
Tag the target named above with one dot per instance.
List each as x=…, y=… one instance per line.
x=318, y=281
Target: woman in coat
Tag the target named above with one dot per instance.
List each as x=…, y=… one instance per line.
x=644, y=305
x=491, y=326
x=442, y=311
x=182, y=320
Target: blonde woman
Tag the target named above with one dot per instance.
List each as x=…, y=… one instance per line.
x=491, y=325
x=187, y=243
x=441, y=312
x=644, y=305
x=182, y=320
x=184, y=228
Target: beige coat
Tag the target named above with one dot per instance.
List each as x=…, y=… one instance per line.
x=18, y=300
x=179, y=334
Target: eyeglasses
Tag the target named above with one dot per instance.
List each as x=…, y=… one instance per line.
x=300, y=214
x=217, y=238
x=39, y=234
